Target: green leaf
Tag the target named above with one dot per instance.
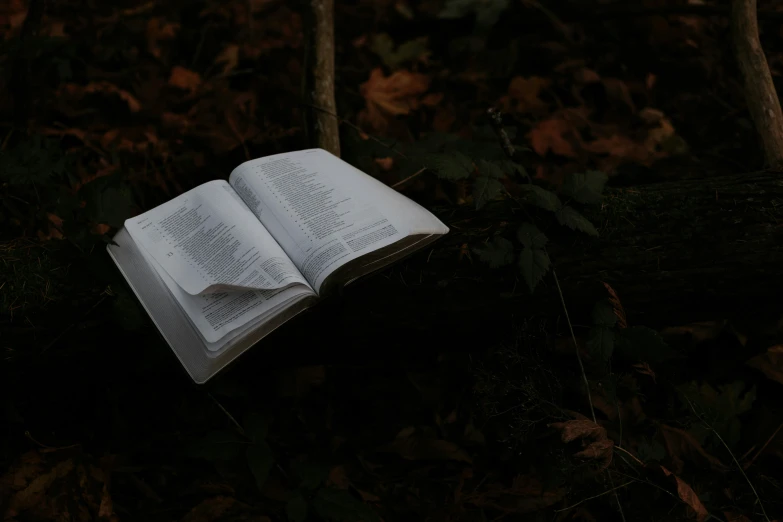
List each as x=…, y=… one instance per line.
x=603, y=314
x=311, y=474
x=569, y=217
x=485, y=189
x=339, y=505
x=511, y=168
x=650, y=451
x=586, y=187
x=217, y=445
x=260, y=460
x=497, y=253
x=490, y=169
x=452, y=166
x=600, y=342
x=534, y=264
x=256, y=427
x=296, y=508
x=719, y=408
x=384, y=47
x=487, y=13
x=541, y=197
x=530, y=236
x=642, y=344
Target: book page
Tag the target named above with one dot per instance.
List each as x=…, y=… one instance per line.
x=207, y=241
x=324, y=212
x=216, y=315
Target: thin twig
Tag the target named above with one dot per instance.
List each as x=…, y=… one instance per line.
x=231, y=417
x=576, y=346
x=770, y=439
x=709, y=427
x=404, y=181
x=596, y=496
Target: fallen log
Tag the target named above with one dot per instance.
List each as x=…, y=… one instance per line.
x=675, y=252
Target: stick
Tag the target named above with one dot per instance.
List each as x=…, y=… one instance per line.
x=318, y=85
x=762, y=99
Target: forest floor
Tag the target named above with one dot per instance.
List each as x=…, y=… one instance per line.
x=425, y=392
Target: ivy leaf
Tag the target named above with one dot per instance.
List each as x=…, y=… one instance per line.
x=534, y=264
x=642, y=344
x=512, y=167
x=256, y=427
x=530, y=236
x=336, y=504
x=541, y=197
x=260, y=460
x=603, y=314
x=296, y=508
x=586, y=187
x=452, y=166
x=219, y=445
x=499, y=252
x=485, y=189
x=600, y=342
x=571, y=218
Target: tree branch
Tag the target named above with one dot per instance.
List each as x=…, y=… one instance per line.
x=318, y=86
x=762, y=99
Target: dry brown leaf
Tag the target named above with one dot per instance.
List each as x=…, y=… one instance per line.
x=229, y=57
x=413, y=444
x=385, y=164
x=645, y=369
x=159, y=30
x=680, y=443
x=338, y=478
x=523, y=94
x=556, y=135
x=223, y=508
x=103, y=88
x=686, y=493
x=185, y=79
x=599, y=449
x=618, y=90
x=735, y=517
x=617, y=306
x=390, y=96
x=525, y=495
x=770, y=363
x=58, y=485
x=698, y=332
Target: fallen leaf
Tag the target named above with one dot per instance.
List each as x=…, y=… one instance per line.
x=223, y=508
x=644, y=369
x=413, y=444
x=735, y=517
x=680, y=443
x=617, y=306
x=524, y=94
x=770, y=363
x=686, y=493
x=599, y=449
x=556, y=135
x=338, y=478
x=104, y=88
x=159, y=30
x=55, y=485
x=229, y=57
x=185, y=79
x=385, y=164
x=696, y=332
x=525, y=495
x=390, y=96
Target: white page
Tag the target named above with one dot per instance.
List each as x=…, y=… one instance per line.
x=208, y=242
x=324, y=212
x=216, y=315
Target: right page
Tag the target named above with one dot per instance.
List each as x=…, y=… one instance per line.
x=325, y=213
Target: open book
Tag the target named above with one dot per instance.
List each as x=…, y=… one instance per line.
x=225, y=263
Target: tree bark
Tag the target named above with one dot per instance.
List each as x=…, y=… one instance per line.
x=321, y=123
x=762, y=99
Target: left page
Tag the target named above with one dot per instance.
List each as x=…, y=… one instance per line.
x=207, y=241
